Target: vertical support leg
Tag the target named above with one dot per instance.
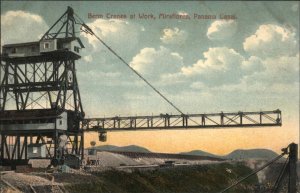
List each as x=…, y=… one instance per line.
x=0, y=144
x=82, y=145
x=2, y=147
x=76, y=144
x=55, y=140
x=19, y=148
x=293, y=157
x=25, y=146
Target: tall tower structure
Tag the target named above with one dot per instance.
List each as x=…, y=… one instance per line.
x=40, y=105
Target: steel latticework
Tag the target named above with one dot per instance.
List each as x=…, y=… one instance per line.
x=190, y=121
x=39, y=96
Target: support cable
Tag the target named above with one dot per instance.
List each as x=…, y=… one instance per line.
x=280, y=177
x=90, y=31
x=254, y=172
x=139, y=75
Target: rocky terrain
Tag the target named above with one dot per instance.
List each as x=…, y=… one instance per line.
x=196, y=178
x=117, y=173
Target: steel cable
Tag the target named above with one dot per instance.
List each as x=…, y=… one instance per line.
x=254, y=172
x=90, y=31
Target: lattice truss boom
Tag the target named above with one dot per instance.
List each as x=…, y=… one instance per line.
x=165, y=121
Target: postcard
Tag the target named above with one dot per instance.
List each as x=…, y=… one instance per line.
x=149, y=96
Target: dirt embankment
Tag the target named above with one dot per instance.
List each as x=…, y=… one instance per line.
x=188, y=179
x=204, y=178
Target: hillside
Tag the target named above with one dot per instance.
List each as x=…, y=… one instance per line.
x=251, y=153
x=130, y=148
x=236, y=154
x=204, y=178
x=195, y=179
x=199, y=153
x=239, y=154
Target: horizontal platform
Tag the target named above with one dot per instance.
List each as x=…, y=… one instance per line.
x=28, y=127
x=44, y=57
x=13, y=163
x=49, y=132
x=29, y=114
x=185, y=121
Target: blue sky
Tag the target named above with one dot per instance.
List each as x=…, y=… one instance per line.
x=250, y=63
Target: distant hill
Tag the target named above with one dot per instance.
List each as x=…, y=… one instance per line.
x=236, y=154
x=130, y=148
x=105, y=147
x=199, y=153
x=251, y=153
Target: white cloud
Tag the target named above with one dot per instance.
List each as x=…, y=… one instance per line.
x=279, y=75
x=117, y=33
x=275, y=74
x=155, y=62
x=221, y=65
x=281, y=69
x=221, y=29
x=253, y=64
x=88, y=58
x=173, y=36
x=271, y=40
x=21, y=26
x=10, y=16
x=215, y=59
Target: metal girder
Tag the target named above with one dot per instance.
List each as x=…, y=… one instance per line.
x=186, y=121
x=40, y=85
x=63, y=27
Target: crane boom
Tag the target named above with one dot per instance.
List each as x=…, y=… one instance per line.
x=184, y=121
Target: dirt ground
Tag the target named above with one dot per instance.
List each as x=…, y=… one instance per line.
x=40, y=180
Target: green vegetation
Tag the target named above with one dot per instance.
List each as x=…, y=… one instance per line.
x=193, y=179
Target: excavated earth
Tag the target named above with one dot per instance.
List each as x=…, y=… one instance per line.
x=114, y=174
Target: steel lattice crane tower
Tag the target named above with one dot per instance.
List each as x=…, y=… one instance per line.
x=41, y=114
x=40, y=98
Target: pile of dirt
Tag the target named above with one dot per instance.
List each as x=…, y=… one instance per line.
x=107, y=159
x=28, y=182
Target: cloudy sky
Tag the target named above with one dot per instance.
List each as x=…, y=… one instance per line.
x=248, y=63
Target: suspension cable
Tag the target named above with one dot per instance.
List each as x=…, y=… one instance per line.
x=254, y=172
x=90, y=31
x=139, y=75
x=280, y=177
